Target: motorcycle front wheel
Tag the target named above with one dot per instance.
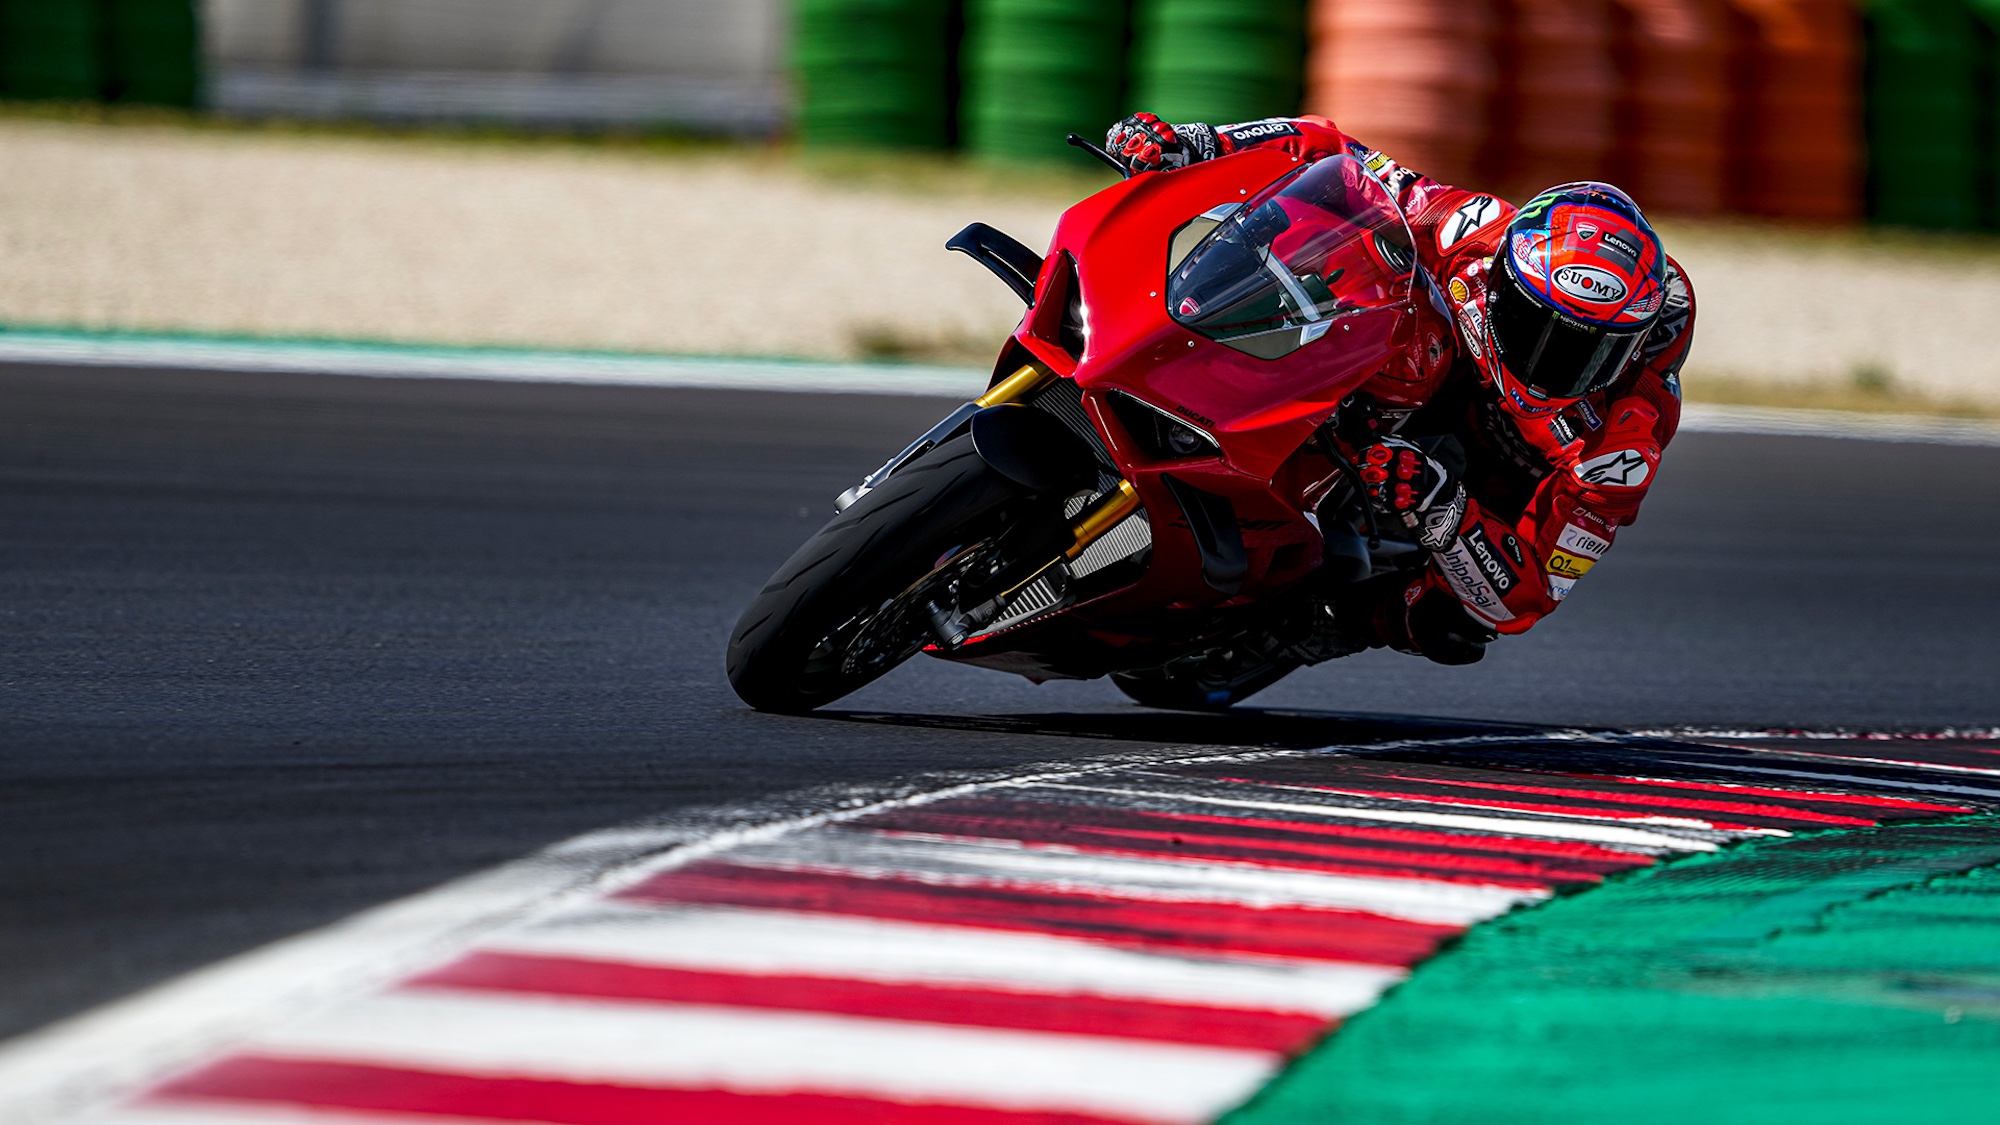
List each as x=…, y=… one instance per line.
x=849, y=605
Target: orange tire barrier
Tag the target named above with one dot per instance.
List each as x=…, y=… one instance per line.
x=1558, y=91
x=1410, y=77
x=1671, y=147
x=1798, y=128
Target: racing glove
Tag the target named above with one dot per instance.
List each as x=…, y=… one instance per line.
x=1144, y=143
x=1442, y=631
x=1417, y=487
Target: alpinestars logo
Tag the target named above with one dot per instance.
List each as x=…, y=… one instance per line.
x=1437, y=526
x=1626, y=468
x=1469, y=217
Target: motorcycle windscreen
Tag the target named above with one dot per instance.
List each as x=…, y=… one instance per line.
x=1323, y=243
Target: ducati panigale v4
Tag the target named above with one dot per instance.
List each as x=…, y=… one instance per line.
x=1159, y=484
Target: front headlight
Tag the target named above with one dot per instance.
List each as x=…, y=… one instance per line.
x=1159, y=434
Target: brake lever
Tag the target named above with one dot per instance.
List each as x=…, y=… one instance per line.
x=1076, y=140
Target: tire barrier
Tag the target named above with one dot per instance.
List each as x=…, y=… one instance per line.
x=152, y=52
x=129, y=51
x=1672, y=146
x=1036, y=70
x=1558, y=89
x=49, y=49
x=1217, y=60
x=1412, y=77
x=1923, y=113
x=872, y=72
x=1986, y=144
x=1799, y=111
x=1697, y=106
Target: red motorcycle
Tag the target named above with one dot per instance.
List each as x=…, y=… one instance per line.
x=1158, y=485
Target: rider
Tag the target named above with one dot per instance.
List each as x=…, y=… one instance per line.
x=1546, y=420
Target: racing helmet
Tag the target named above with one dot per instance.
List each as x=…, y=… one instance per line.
x=1575, y=287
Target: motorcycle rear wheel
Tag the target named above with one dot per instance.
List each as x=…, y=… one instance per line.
x=795, y=646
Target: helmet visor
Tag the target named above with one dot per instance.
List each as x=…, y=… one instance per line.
x=1557, y=356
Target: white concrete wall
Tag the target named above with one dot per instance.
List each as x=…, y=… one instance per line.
x=710, y=63
x=256, y=32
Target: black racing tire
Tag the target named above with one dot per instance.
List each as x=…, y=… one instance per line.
x=877, y=548
x=1201, y=685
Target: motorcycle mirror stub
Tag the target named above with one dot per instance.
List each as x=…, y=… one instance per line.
x=1033, y=449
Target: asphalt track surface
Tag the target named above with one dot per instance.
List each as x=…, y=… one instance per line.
x=278, y=648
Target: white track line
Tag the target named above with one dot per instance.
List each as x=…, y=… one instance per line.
x=1005, y=863
x=1850, y=781
x=674, y=1046
x=520, y=365
x=506, y=365
x=1552, y=812
x=779, y=943
x=215, y=1112
x=1697, y=417
x=1492, y=825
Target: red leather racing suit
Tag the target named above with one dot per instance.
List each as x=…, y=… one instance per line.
x=1547, y=495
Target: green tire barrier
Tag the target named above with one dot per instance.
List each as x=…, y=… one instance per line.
x=1987, y=15
x=873, y=72
x=1218, y=61
x=152, y=52
x=1847, y=977
x=1037, y=70
x=118, y=50
x=1923, y=113
x=49, y=49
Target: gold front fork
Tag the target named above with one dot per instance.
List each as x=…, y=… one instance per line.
x=1017, y=386
x=1110, y=509
x=1107, y=512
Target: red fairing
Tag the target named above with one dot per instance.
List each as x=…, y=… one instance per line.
x=1590, y=463
x=1113, y=247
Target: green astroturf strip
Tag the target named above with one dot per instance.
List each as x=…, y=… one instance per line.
x=1842, y=977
